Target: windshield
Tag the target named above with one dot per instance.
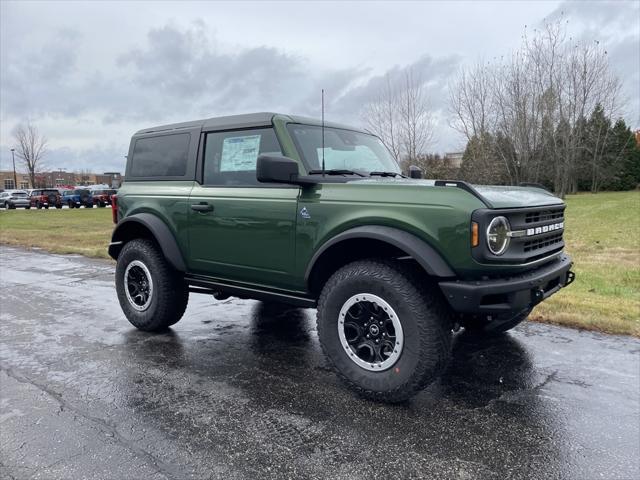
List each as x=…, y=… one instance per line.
x=343, y=150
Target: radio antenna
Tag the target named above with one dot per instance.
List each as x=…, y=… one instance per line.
x=322, y=132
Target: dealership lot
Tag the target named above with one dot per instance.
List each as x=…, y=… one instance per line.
x=236, y=390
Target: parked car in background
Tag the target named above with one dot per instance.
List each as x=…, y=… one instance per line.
x=11, y=199
x=102, y=197
x=78, y=197
x=47, y=197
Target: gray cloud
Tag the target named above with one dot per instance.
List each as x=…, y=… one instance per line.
x=88, y=92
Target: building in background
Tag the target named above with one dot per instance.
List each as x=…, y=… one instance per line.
x=7, y=181
x=59, y=178
x=453, y=159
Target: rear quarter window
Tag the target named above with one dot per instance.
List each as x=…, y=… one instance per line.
x=160, y=156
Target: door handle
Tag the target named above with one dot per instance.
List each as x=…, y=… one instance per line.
x=202, y=207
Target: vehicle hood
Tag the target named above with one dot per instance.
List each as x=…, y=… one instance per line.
x=513, y=197
x=494, y=196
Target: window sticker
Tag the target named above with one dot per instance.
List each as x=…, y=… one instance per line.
x=239, y=153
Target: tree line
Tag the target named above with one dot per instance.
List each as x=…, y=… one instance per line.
x=548, y=113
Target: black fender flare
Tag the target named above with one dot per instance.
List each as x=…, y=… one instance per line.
x=160, y=232
x=418, y=249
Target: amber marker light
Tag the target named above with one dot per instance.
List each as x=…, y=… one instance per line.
x=474, y=234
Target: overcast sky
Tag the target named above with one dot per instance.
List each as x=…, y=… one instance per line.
x=90, y=74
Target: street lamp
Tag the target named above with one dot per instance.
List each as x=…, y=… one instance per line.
x=15, y=178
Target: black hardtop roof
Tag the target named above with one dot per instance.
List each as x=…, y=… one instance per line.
x=246, y=120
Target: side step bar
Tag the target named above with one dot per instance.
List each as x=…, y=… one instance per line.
x=198, y=284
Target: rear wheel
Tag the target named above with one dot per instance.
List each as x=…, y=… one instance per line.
x=59, y=206
x=71, y=205
x=386, y=338
x=6, y=205
x=153, y=295
x=38, y=206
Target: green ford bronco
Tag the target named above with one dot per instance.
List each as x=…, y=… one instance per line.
x=242, y=206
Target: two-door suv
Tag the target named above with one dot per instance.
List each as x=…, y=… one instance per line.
x=283, y=209
x=78, y=197
x=48, y=197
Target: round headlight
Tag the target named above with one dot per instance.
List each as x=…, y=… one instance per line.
x=498, y=235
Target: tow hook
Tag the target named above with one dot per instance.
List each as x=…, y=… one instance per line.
x=571, y=276
x=538, y=296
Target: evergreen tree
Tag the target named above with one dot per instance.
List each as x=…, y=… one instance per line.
x=624, y=155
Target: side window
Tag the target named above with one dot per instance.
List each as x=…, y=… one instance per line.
x=230, y=157
x=163, y=156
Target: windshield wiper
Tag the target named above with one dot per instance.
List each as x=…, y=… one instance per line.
x=335, y=171
x=386, y=174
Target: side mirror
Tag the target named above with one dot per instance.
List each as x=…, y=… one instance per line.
x=276, y=169
x=415, y=172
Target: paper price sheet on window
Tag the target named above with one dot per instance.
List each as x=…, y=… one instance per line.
x=239, y=153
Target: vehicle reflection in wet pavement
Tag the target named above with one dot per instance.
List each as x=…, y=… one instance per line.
x=240, y=389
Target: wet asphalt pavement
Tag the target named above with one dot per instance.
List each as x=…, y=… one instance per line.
x=237, y=391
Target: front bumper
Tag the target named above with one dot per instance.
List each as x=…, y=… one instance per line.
x=512, y=294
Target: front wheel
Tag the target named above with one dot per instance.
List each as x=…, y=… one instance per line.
x=153, y=296
x=387, y=338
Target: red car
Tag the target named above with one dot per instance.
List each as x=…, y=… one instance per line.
x=102, y=198
x=45, y=198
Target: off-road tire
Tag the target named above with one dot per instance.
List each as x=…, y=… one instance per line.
x=490, y=329
x=58, y=207
x=28, y=207
x=425, y=318
x=38, y=206
x=46, y=207
x=88, y=205
x=170, y=294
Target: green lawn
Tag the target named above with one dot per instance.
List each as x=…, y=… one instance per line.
x=602, y=235
x=86, y=231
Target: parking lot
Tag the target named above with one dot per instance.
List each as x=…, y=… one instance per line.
x=236, y=390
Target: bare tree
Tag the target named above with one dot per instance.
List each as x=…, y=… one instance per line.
x=416, y=117
x=30, y=148
x=401, y=117
x=533, y=104
x=381, y=118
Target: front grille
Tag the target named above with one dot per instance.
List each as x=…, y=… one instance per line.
x=538, y=234
x=543, y=242
x=532, y=247
x=543, y=216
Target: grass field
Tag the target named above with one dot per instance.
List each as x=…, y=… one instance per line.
x=86, y=231
x=602, y=235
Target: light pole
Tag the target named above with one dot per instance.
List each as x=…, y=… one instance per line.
x=15, y=177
